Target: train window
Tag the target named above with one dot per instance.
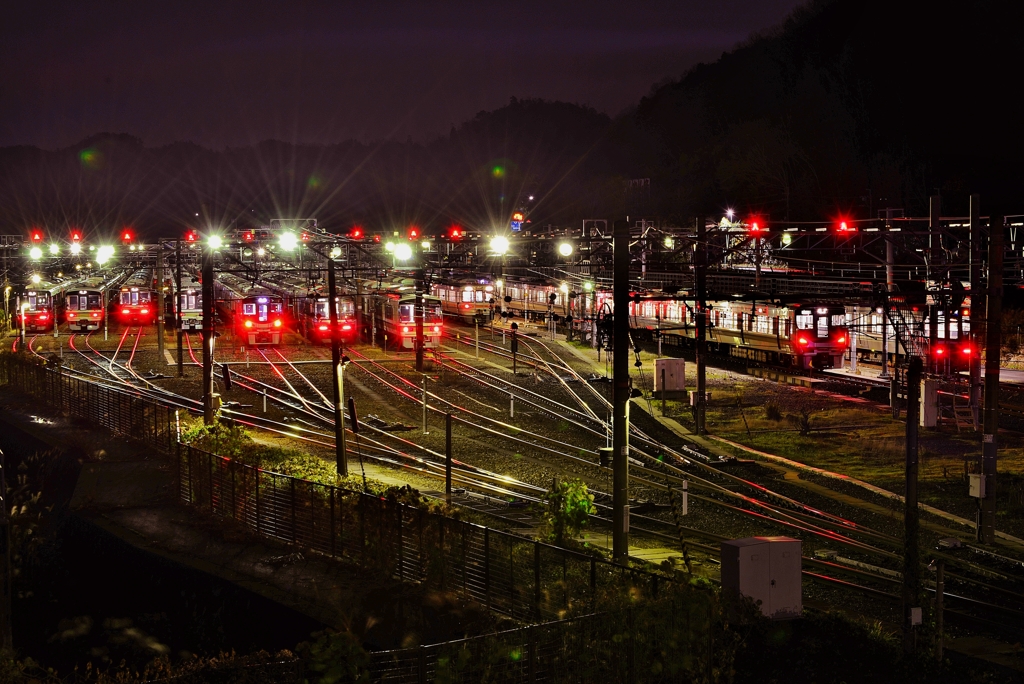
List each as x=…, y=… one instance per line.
x=805, y=321
x=823, y=326
x=479, y=295
x=838, y=320
x=276, y=307
x=467, y=295
x=249, y=309
x=145, y=297
x=73, y=302
x=876, y=324
x=94, y=301
x=405, y=313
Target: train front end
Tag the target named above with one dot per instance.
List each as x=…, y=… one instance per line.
x=35, y=312
x=820, y=336
x=318, y=325
x=136, y=306
x=85, y=310
x=433, y=323
x=262, y=320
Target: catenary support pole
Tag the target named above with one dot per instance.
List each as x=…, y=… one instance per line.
x=419, y=315
x=993, y=343
x=620, y=397
x=911, y=527
x=940, y=600
x=160, y=302
x=700, y=264
x=208, y=333
x=448, y=457
x=178, y=306
x=977, y=315
x=340, y=457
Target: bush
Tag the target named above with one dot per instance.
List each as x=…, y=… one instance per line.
x=568, y=508
x=772, y=411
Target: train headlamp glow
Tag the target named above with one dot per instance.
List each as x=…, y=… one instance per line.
x=288, y=241
x=248, y=324
x=403, y=251
x=277, y=323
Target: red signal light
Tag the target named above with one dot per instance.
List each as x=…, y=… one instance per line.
x=376, y=238
x=356, y=233
x=305, y=236
x=414, y=233
x=248, y=236
x=192, y=236
x=845, y=226
x=127, y=235
x=757, y=225
x=76, y=235
x=36, y=236
x=454, y=233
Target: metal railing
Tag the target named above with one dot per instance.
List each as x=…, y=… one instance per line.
x=511, y=575
x=123, y=412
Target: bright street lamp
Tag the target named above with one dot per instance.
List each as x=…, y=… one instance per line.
x=54, y=248
x=76, y=248
x=36, y=279
x=565, y=249
x=499, y=245
x=35, y=253
x=289, y=241
x=104, y=254
x=216, y=242
x=403, y=251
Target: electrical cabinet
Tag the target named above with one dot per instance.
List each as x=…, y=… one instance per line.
x=766, y=569
x=669, y=375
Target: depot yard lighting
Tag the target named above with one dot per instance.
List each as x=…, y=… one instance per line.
x=103, y=255
x=670, y=242
x=564, y=288
x=499, y=244
x=216, y=242
x=260, y=251
x=565, y=249
x=36, y=279
x=588, y=286
x=426, y=245
x=335, y=252
x=35, y=253
x=76, y=248
x=403, y=251
x=389, y=247
x=289, y=241
x=54, y=248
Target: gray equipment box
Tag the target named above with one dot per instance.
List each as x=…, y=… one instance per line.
x=766, y=569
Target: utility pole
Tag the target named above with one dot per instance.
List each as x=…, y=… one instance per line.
x=208, y=333
x=6, y=580
x=448, y=458
x=700, y=264
x=418, y=314
x=977, y=315
x=993, y=342
x=911, y=526
x=160, y=302
x=890, y=260
x=340, y=457
x=936, y=363
x=178, y=305
x=620, y=397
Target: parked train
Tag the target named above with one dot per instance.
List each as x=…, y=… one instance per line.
x=87, y=302
x=39, y=304
x=190, y=302
x=393, y=309
x=256, y=313
x=307, y=302
x=471, y=301
x=136, y=303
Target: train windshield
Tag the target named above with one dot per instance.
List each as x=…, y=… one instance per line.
x=83, y=302
x=191, y=300
x=38, y=300
x=344, y=307
x=134, y=297
x=431, y=310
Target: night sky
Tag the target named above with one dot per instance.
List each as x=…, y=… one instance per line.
x=232, y=73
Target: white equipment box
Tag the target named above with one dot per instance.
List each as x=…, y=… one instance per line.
x=766, y=569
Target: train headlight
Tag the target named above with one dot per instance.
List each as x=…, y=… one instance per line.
x=145, y=311
x=437, y=328
x=323, y=327
x=802, y=341
x=125, y=312
x=248, y=324
x=842, y=339
x=277, y=323
x=405, y=329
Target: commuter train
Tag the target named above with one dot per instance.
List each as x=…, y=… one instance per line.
x=313, y=318
x=256, y=313
x=39, y=303
x=136, y=302
x=190, y=302
x=468, y=300
x=86, y=303
x=393, y=309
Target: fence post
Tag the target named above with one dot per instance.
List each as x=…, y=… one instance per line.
x=487, y=567
x=532, y=652
x=421, y=668
x=209, y=462
x=257, y=501
x=536, y=585
x=333, y=546
x=401, y=545
x=593, y=582
x=292, y=484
